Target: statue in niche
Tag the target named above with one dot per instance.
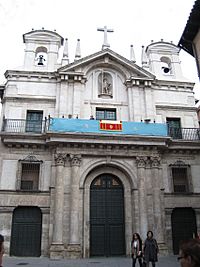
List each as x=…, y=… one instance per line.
x=105, y=84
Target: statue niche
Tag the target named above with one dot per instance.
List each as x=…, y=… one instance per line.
x=105, y=85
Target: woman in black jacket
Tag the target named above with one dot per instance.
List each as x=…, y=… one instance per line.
x=150, y=250
x=136, y=249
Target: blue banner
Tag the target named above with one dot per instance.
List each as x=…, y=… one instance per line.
x=93, y=126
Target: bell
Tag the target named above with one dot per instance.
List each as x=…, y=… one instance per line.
x=41, y=59
x=165, y=69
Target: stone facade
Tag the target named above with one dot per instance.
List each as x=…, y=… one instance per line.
x=70, y=161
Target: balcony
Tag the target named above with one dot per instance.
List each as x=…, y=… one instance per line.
x=62, y=125
x=24, y=126
x=192, y=134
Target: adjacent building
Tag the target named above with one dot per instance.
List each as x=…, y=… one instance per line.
x=190, y=39
x=94, y=150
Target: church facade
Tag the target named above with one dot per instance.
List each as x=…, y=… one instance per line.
x=97, y=149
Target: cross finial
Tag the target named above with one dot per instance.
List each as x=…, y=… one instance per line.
x=105, y=30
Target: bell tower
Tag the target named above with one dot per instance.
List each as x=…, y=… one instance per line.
x=41, y=49
x=164, y=60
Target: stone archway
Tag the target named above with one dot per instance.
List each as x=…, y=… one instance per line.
x=130, y=207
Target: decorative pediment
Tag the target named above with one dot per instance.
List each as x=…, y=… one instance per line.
x=179, y=163
x=109, y=59
x=31, y=158
x=163, y=46
x=43, y=35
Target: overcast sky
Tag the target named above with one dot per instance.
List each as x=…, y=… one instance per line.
x=134, y=22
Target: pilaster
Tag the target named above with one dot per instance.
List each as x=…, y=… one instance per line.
x=157, y=203
x=141, y=164
x=149, y=188
x=130, y=101
x=57, y=246
x=74, y=248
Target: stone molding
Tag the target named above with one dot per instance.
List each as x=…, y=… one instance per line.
x=31, y=158
x=141, y=161
x=60, y=159
x=155, y=161
x=75, y=160
x=148, y=162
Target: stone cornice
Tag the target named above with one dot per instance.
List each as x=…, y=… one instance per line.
x=111, y=139
x=72, y=77
x=29, y=74
x=175, y=83
x=100, y=102
x=21, y=98
x=94, y=141
x=175, y=107
x=138, y=82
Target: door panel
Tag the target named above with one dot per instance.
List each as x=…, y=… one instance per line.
x=107, y=217
x=26, y=232
x=183, y=226
x=98, y=239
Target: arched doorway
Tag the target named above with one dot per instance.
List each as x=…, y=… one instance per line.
x=26, y=232
x=107, y=236
x=183, y=226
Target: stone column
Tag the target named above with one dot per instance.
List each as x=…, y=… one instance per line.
x=157, y=203
x=141, y=163
x=57, y=247
x=149, y=196
x=74, y=249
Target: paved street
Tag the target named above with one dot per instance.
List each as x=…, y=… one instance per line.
x=168, y=261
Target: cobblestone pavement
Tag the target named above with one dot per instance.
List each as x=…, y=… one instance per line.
x=167, y=261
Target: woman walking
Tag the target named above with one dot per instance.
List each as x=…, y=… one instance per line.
x=136, y=249
x=150, y=250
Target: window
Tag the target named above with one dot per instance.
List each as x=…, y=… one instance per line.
x=34, y=121
x=105, y=114
x=30, y=176
x=174, y=127
x=180, y=179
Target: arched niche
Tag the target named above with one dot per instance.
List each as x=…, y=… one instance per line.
x=166, y=65
x=41, y=56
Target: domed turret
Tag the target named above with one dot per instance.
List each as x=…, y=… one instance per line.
x=164, y=60
x=41, y=51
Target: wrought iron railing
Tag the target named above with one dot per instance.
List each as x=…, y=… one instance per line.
x=25, y=126
x=184, y=133
x=37, y=126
